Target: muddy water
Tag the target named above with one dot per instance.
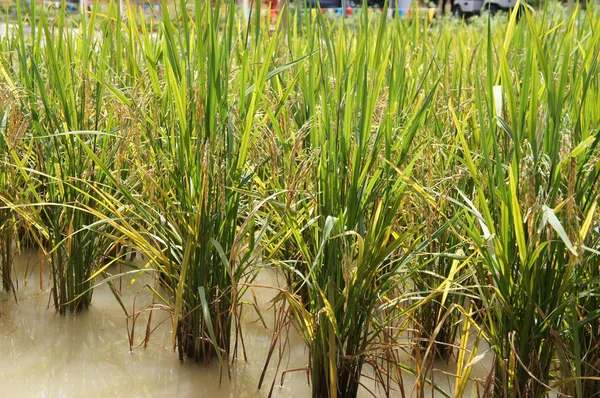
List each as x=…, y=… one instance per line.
x=43, y=354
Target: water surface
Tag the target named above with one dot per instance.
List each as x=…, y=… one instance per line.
x=43, y=354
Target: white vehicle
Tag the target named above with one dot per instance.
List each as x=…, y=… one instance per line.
x=470, y=7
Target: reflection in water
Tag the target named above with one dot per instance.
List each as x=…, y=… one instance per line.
x=43, y=354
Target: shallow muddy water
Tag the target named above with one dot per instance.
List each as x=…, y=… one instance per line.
x=43, y=354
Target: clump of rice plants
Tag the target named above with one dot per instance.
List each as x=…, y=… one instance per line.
x=526, y=210
x=13, y=126
x=344, y=218
x=55, y=172
x=6, y=220
x=178, y=198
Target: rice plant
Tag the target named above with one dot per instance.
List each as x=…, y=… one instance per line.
x=344, y=215
x=177, y=199
x=525, y=210
x=6, y=221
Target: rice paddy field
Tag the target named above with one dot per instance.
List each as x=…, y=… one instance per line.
x=195, y=203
